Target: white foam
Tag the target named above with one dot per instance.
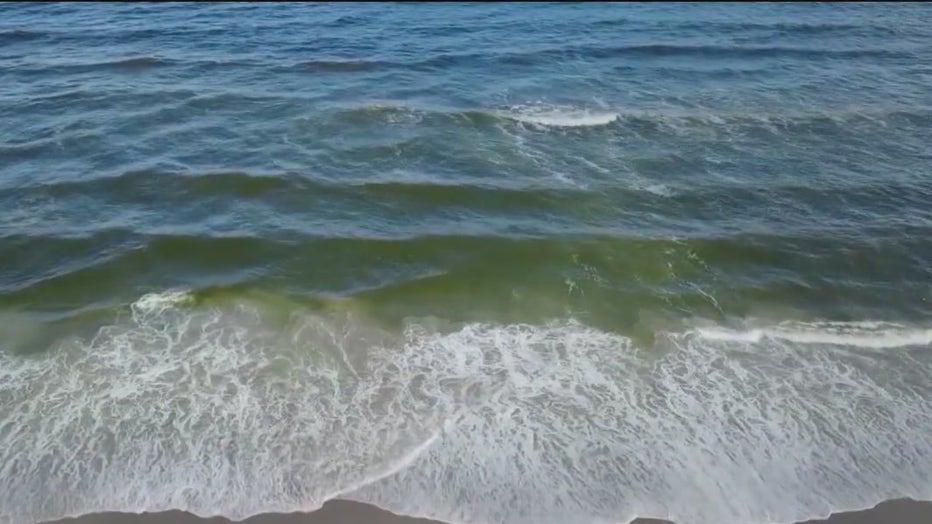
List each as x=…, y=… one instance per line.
x=555, y=116
x=209, y=410
x=589, y=429
x=658, y=189
x=155, y=303
x=857, y=334
x=540, y=158
x=225, y=410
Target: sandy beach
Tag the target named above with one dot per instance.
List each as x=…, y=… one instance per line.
x=345, y=512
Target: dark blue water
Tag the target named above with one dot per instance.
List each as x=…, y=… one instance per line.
x=477, y=262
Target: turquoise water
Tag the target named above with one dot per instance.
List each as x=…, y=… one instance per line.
x=482, y=263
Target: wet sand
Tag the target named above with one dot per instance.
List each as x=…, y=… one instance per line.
x=345, y=512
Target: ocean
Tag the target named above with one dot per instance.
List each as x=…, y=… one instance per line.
x=482, y=263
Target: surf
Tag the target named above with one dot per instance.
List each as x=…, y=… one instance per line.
x=222, y=408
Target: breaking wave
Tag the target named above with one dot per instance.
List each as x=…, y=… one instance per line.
x=236, y=409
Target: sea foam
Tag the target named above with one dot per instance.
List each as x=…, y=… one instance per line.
x=555, y=116
x=226, y=410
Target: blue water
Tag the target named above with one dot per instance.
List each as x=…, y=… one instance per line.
x=476, y=262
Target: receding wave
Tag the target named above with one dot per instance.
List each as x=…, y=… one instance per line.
x=712, y=51
x=602, y=52
x=148, y=184
x=132, y=64
x=138, y=182
x=137, y=62
x=798, y=28
x=127, y=64
x=13, y=36
x=675, y=121
x=338, y=66
x=226, y=408
x=446, y=61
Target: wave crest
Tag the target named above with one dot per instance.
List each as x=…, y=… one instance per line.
x=560, y=116
x=877, y=335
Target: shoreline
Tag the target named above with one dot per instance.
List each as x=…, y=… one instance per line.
x=338, y=511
